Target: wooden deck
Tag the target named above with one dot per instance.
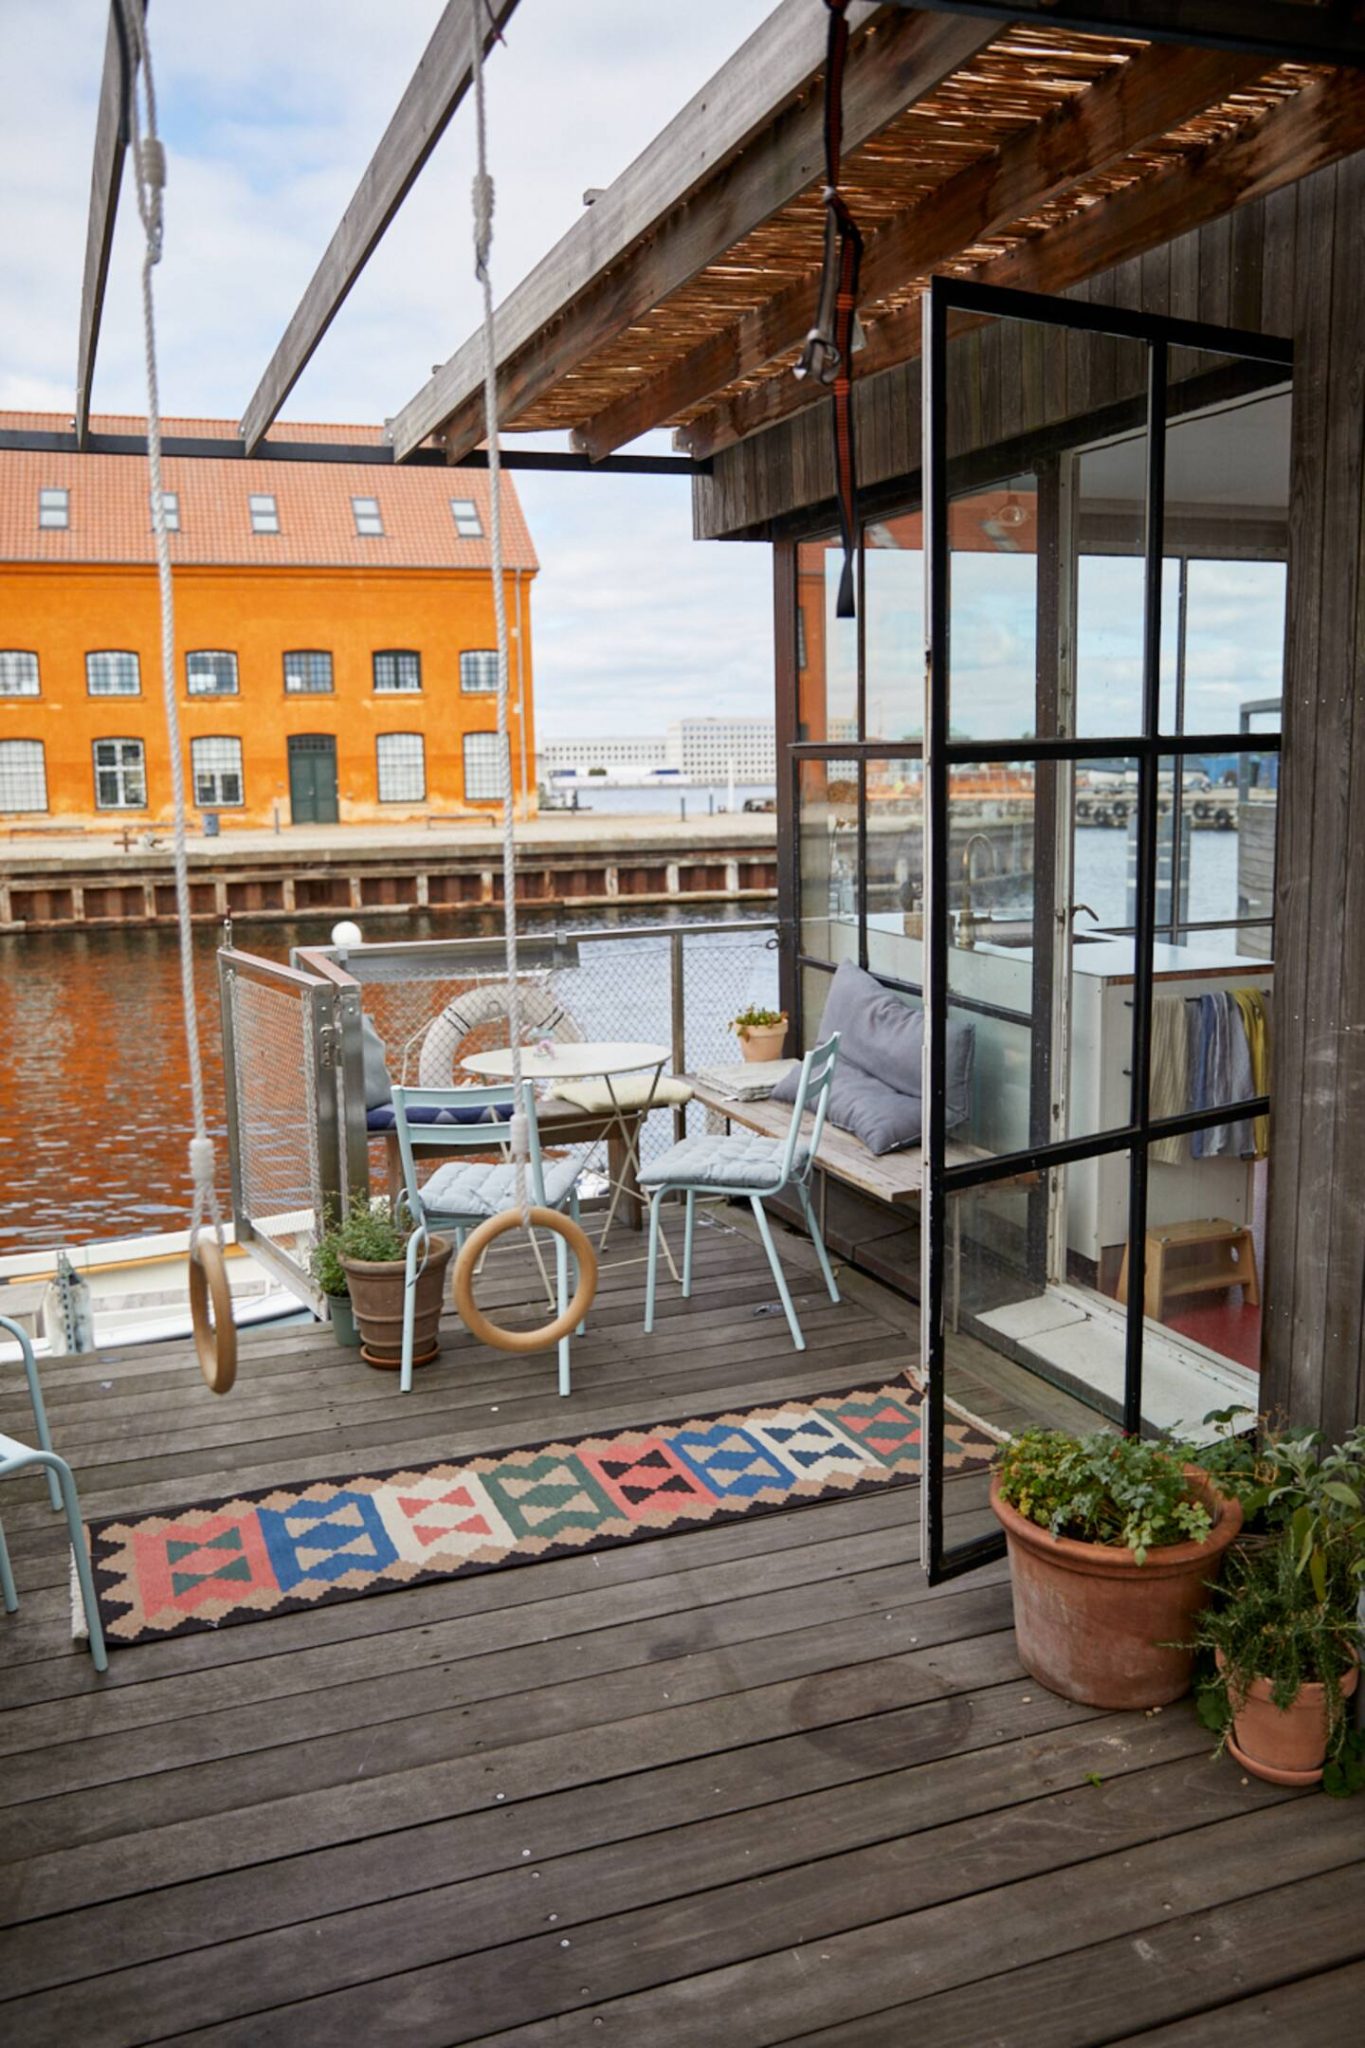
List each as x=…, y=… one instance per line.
x=753, y=1784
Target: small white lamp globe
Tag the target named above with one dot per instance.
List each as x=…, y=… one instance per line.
x=346, y=934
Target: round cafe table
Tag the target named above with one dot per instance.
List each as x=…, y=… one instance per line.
x=588, y=1060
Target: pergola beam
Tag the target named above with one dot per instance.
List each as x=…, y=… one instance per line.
x=1282, y=33
x=435, y=90
x=640, y=242
x=106, y=177
x=1322, y=122
x=1127, y=107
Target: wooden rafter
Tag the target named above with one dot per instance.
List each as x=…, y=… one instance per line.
x=1280, y=31
x=437, y=86
x=106, y=177
x=1127, y=107
x=1322, y=122
x=639, y=242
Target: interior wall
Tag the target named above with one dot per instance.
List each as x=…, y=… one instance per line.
x=1315, y=1347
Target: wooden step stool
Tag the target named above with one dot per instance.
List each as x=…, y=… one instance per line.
x=1195, y=1258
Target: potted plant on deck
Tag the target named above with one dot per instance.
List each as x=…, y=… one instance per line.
x=371, y=1249
x=1113, y=1545
x=761, y=1033
x=330, y=1274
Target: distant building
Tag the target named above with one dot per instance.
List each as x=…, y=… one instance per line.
x=335, y=644
x=605, y=754
x=708, y=748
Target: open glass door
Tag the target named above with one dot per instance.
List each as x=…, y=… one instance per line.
x=1105, y=534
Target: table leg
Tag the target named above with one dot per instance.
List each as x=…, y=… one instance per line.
x=622, y=1174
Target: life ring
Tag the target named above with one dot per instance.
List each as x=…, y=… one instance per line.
x=541, y=1010
x=473, y=1249
x=215, y=1336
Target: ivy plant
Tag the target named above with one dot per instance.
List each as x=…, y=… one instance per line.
x=1132, y=1492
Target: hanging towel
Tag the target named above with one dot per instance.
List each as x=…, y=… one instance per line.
x=1224, y=1076
x=1170, y=1092
x=1256, y=1024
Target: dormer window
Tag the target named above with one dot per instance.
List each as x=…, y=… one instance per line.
x=368, y=518
x=465, y=513
x=265, y=513
x=54, y=510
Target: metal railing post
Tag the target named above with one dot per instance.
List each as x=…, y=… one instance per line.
x=678, y=1002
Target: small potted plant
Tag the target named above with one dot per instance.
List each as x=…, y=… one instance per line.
x=371, y=1249
x=1113, y=1545
x=330, y=1274
x=761, y=1033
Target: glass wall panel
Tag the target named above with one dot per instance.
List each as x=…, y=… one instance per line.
x=895, y=868
x=827, y=840
x=826, y=648
x=893, y=631
x=993, y=611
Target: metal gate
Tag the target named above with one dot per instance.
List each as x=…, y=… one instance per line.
x=281, y=1068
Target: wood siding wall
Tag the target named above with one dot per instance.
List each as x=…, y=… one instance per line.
x=1315, y=1314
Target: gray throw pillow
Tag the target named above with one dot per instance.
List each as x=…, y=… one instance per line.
x=883, y=1118
x=881, y=1044
x=877, y=1030
x=378, y=1088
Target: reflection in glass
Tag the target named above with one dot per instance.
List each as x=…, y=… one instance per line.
x=826, y=648
x=893, y=631
x=993, y=612
x=827, y=832
x=895, y=869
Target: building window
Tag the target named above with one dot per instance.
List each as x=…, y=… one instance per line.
x=18, y=673
x=113, y=675
x=120, y=776
x=308, y=672
x=465, y=513
x=265, y=513
x=479, y=670
x=23, y=776
x=54, y=509
x=217, y=769
x=397, y=669
x=209, y=672
x=170, y=510
x=368, y=518
x=402, y=762
x=482, y=767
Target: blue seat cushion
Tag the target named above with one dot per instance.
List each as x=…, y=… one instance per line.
x=384, y=1117
x=470, y=1190
x=741, y=1160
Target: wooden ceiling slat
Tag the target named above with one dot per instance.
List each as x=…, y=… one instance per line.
x=639, y=242
x=1126, y=107
x=1321, y=123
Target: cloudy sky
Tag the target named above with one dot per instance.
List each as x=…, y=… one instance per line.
x=270, y=110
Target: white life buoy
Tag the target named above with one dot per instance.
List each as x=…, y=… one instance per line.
x=541, y=1011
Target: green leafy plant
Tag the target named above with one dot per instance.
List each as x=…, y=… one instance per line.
x=1132, y=1492
x=368, y=1231
x=754, y=1019
x=1285, y=1480
x=1267, y=1621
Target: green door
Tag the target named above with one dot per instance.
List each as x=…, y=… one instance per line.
x=312, y=778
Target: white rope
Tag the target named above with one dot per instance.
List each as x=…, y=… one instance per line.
x=149, y=167
x=483, y=237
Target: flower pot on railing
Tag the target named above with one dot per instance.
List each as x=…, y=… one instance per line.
x=376, y=1288
x=762, y=1041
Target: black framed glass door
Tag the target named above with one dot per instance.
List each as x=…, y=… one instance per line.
x=1105, y=503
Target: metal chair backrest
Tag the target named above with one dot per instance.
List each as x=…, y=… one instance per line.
x=812, y=1093
x=489, y=1136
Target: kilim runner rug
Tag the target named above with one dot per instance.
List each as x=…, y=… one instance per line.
x=284, y=1548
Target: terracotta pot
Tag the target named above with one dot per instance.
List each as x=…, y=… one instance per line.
x=342, y=1320
x=377, y=1304
x=1284, y=1745
x=762, y=1041
x=1094, y=1625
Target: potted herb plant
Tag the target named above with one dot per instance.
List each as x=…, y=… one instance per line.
x=761, y=1033
x=371, y=1248
x=1113, y=1544
x=330, y=1274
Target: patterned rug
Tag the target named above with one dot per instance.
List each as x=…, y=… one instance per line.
x=285, y=1548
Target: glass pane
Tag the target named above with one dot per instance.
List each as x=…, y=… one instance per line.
x=827, y=835
x=993, y=612
x=815, y=987
x=1211, y=1021
x=826, y=648
x=893, y=632
x=895, y=869
x=1205, y=1269
x=1234, y=645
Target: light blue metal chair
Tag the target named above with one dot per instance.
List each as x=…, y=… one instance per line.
x=61, y=1487
x=461, y=1194
x=744, y=1166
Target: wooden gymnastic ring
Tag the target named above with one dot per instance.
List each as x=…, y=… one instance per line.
x=473, y=1249
x=215, y=1337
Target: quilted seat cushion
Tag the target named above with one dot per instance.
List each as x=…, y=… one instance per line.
x=741, y=1160
x=633, y=1091
x=476, y=1188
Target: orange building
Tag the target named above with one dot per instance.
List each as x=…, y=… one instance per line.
x=335, y=643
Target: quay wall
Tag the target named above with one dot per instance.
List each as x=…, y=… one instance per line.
x=570, y=864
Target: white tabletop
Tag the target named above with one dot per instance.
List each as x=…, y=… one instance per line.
x=575, y=1061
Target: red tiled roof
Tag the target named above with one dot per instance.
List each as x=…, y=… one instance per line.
x=110, y=516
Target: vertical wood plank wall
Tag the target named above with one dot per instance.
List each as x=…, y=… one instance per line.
x=1314, y=1361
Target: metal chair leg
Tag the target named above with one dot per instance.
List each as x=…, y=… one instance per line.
x=687, y=1243
x=35, y=1395
x=82, y=1556
x=8, y=1590
x=651, y=1270
x=416, y=1247
x=761, y=1218
x=817, y=1238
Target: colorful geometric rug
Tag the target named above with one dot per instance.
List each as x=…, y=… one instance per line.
x=285, y=1548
